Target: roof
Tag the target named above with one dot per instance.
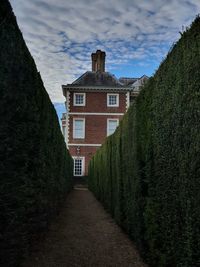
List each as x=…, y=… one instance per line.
x=103, y=81
x=127, y=81
x=91, y=78
x=141, y=81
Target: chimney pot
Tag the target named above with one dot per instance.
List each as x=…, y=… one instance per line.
x=98, y=61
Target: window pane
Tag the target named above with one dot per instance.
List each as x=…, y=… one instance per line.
x=78, y=129
x=112, y=125
x=79, y=99
x=77, y=166
x=112, y=100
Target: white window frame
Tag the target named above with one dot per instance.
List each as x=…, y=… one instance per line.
x=111, y=119
x=83, y=166
x=108, y=97
x=77, y=104
x=74, y=134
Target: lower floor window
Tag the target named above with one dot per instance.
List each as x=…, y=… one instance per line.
x=78, y=166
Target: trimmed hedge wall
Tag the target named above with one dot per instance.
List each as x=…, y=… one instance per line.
x=147, y=174
x=35, y=167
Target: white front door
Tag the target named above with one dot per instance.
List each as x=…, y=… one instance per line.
x=79, y=166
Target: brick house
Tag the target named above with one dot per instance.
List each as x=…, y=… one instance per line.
x=95, y=104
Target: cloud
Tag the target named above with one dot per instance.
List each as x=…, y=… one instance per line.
x=62, y=34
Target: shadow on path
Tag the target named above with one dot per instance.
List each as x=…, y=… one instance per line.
x=84, y=235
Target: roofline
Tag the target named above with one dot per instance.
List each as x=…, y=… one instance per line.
x=85, y=73
x=129, y=78
x=95, y=86
x=79, y=78
x=137, y=78
x=144, y=76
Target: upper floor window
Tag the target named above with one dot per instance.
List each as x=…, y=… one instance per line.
x=79, y=128
x=113, y=100
x=111, y=126
x=79, y=99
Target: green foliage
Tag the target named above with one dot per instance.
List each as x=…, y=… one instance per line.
x=35, y=167
x=147, y=173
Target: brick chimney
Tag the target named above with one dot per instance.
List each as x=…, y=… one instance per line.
x=98, y=61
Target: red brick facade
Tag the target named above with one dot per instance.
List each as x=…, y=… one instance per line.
x=96, y=114
x=95, y=103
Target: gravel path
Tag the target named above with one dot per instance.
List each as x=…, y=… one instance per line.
x=84, y=235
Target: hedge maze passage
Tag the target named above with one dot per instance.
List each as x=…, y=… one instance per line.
x=84, y=235
x=35, y=167
x=147, y=174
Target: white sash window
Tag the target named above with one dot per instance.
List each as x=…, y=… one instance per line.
x=113, y=100
x=111, y=126
x=79, y=99
x=79, y=166
x=79, y=128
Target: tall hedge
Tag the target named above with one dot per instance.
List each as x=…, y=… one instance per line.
x=148, y=173
x=35, y=167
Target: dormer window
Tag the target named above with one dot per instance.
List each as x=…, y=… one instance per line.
x=79, y=99
x=113, y=100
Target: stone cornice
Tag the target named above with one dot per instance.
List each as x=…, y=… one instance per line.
x=76, y=88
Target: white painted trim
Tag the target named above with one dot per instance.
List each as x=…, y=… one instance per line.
x=84, y=99
x=127, y=100
x=67, y=129
x=93, y=113
x=73, y=144
x=68, y=101
x=99, y=88
x=83, y=165
x=110, y=119
x=83, y=119
x=116, y=105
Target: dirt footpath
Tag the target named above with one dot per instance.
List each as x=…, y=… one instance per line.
x=84, y=235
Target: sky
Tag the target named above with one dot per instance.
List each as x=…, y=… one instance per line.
x=135, y=34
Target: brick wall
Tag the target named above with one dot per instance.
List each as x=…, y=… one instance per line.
x=95, y=128
x=97, y=102
x=95, y=125
x=86, y=152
